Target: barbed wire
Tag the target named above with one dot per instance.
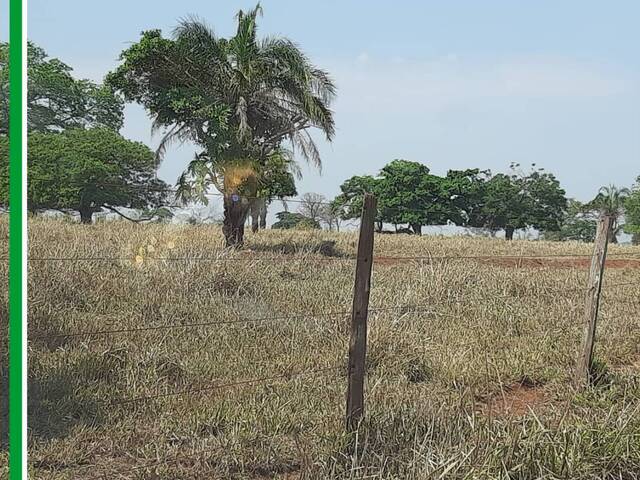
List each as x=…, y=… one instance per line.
x=222, y=386
x=41, y=335
x=404, y=309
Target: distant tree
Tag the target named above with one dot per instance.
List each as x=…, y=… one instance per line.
x=466, y=190
x=611, y=201
x=514, y=201
x=57, y=101
x=330, y=215
x=289, y=220
x=277, y=181
x=409, y=194
x=632, y=213
x=348, y=204
x=88, y=170
x=312, y=205
x=579, y=223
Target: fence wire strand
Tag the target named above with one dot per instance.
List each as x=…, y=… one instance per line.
x=222, y=386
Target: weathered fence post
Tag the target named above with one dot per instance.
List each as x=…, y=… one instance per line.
x=358, y=340
x=583, y=368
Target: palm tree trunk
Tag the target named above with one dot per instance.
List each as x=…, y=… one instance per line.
x=236, y=209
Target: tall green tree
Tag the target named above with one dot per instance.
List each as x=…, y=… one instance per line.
x=57, y=101
x=466, y=191
x=239, y=99
x=409, y=194
x=88, y=170
x=632, y=213
x=517, y=200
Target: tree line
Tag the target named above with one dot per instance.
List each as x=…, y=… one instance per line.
x=411, y=197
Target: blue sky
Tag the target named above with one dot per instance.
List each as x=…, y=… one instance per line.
x=451, y=84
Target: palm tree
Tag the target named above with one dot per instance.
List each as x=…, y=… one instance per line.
x=242, y=99
x=610, y=201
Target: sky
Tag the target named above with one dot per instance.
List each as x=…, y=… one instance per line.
x=452, y=84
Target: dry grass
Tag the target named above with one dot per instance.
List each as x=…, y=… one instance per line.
x=441, y=387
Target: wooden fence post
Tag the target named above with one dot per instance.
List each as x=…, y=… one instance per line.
x=596, y=273
x=360, y=309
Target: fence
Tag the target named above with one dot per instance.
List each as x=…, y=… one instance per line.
x=356, y=367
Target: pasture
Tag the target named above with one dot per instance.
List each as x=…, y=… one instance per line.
x=156, y=354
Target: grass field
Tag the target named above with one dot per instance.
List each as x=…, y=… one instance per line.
x=470, y=380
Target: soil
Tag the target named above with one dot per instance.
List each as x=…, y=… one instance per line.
x=516, y=400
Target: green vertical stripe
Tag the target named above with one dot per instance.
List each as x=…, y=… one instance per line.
x=15, y=240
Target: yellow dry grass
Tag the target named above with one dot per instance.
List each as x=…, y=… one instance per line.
x=441, y=372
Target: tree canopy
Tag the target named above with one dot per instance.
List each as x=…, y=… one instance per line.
x=409, y=194
x=289, y=220
x=57, y=101
x=87, y=170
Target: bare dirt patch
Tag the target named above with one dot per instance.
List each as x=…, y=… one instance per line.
x=516, y=400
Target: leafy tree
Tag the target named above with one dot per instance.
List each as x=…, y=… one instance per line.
x=466, y=190
x=239, y=99
x=87, y=170
x=611, y=201
x=409, y=194
x=57, y=101
x=348, y=204
x=504, y=205
x=514, y=201
x=579, y=223
x=632, y=213
x=276, y=181
x=288, y=220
